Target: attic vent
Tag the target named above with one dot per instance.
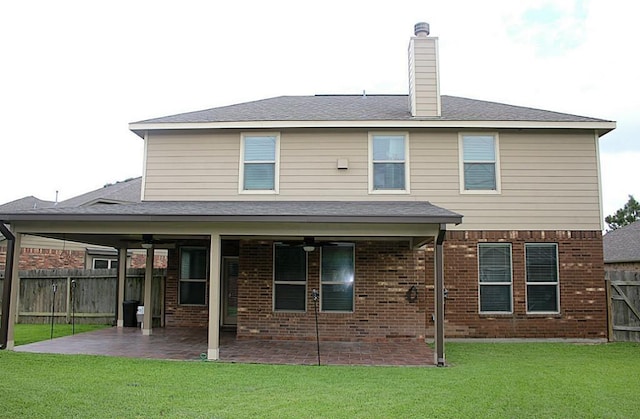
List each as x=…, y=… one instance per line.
x=421, y=29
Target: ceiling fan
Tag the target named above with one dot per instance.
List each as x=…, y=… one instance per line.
x=148, y=241
x=309, y=243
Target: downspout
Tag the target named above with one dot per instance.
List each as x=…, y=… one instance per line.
x=8, y=278
x=439, y=296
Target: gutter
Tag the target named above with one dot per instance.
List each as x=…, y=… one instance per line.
x=444, y=219
x=601, y=126
x=8, y=279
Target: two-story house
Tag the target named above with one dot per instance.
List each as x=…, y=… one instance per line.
x=400, y=216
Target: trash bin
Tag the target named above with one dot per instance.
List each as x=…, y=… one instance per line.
x=129, y=308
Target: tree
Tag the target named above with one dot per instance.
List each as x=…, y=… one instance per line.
x=625, y=215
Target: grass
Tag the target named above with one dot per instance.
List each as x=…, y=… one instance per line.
x=29, y=333
x=542, y=380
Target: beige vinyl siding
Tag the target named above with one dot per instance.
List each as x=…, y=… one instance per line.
x=549, y=179
x=37, y=242
x=423, y=76
x=192, y=166
x=318, y=162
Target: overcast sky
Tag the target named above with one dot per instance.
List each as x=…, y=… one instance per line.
x=73, y=74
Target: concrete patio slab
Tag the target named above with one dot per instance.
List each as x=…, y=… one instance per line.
x=191, y=344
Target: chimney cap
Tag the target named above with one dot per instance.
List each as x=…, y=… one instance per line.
x=421, y=29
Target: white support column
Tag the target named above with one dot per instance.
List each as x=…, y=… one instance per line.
x=122, y=277
x=15, y=292
x=213, y=351
x=148, y=279
x=439, y=297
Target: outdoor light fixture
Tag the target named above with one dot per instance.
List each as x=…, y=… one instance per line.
x=308, y=248
x=147, y=241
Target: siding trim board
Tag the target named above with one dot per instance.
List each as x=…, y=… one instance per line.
x=601, y=127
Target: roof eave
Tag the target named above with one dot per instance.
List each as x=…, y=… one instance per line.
x=429, y=219
x=602, y=127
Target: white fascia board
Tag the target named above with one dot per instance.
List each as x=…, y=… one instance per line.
x=602, y=126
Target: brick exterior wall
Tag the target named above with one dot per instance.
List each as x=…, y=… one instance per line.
x=385, y=271
x=37, y=258
x=140, y=261
x=582, y=288
x=176, y=314
x=31, y=258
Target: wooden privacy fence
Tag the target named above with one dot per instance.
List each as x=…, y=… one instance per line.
x=623, y=289
x=83, y=296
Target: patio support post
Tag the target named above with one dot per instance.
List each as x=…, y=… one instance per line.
x=213, y=351
x=439, y=297
x=11, y=287
x=148, y=279
x=122, y=276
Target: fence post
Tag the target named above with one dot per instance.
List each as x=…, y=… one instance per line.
x=607, y=288
x=17, y=282
x=68, y=299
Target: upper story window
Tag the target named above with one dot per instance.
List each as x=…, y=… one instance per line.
x=479, y=166
x=542, y=278
x=260, y=163
x=388, y=163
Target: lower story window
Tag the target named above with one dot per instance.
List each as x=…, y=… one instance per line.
x=289, y=278
x=495, y=278
x=193, y=275
x=99, y=263
x=542, y=277
x=337, y=277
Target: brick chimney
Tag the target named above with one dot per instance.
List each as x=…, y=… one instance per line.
x=424, y=84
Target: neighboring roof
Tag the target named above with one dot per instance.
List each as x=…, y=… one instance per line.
x=119, y=192
x=622, y=244
x=126, y=191
x=28, y=202
x=323, y=108
x=282, y=211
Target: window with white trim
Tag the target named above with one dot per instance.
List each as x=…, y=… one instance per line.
x=259, y=165
x=388, y=166
x=337, y=271
x=103, y=263
x=479, y=162
x=495, y=277
x=542, y=278
x=194, y=263
x=289, y=278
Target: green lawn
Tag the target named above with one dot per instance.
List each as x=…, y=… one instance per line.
x=485, y=380
x=29, y=333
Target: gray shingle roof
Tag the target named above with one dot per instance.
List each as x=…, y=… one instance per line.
x=298, y=211
x=26, y=203
x=119, y=192
x=367, y=108
x=622, y=244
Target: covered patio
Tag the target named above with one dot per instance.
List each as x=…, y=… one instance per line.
x=191, y=344
x=390, y=311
